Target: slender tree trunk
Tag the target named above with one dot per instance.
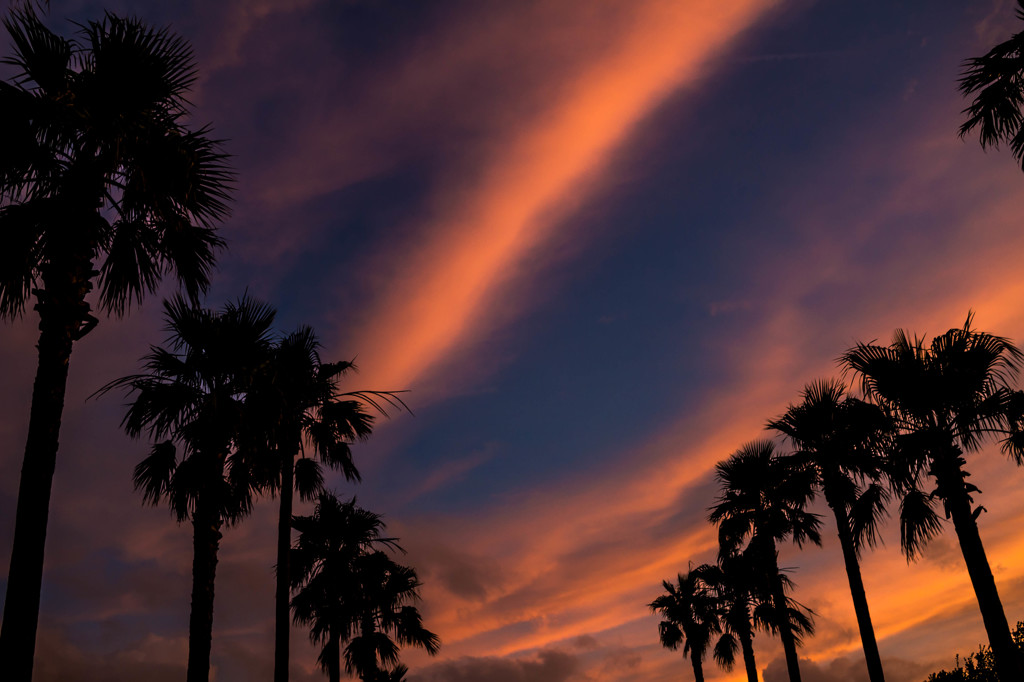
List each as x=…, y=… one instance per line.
x=205, y=544
x=950, y=480
x=746, y=638
x=860, y=600
x=282, y=612
x=698, y=669
x=62, y=313
x=782, y=611
x=334, y=658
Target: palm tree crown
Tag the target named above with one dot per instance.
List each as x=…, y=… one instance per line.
x=997, y=82
x=98, y=161
x=762, y=502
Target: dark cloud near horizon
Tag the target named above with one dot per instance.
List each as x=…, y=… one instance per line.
x=849, y=669
x=149, y=658
x=549, y=666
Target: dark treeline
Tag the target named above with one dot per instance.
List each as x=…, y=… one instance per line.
x=102, y=184
x=922, y=408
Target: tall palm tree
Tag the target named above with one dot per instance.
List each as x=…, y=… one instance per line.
x=689, y=618
x=841, y=440
x=193, y=395
x=298, y=407
x=997, y=82
x=948, y=398
x=762, y=502
x=350, y=591
x=97, y=167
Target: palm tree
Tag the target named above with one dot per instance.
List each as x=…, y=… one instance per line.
x=947, y=399
x=298, y=408
x=193, y=395
x=841, y=439
x=350, y=591
x=731, y=586
x=997, y=81
x=688, y=617
x=97, y=167
x=762, y=502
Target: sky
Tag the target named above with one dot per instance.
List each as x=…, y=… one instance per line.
x=600, y=243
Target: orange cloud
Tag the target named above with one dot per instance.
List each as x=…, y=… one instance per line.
x=505, y=207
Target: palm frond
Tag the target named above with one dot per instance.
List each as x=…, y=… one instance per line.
x=866, y=514
x=41, y=56
x=997, y=82
x=153, y=474
x=309, y=479
x=919, y=522
x=23, y=227
x=725, y=650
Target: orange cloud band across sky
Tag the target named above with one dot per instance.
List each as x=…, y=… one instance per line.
x=503, y=210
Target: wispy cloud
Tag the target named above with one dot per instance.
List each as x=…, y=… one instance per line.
x=501, y=208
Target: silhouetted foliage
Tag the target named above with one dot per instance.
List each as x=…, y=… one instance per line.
x=97, y=167
x=192, y=396
x=947, y=398
x=351, y=592
x=997, y=82
x=978, y=666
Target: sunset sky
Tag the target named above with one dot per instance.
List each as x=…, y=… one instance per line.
x=601, y=243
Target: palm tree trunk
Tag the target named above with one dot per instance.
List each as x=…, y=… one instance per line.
x=950, y=480
x=698, y=669
x=334, y=663
x=860, y=600
x=282, y=613
x=62, y=312
x=206, y=537
x=785, y=628
x=747, y=646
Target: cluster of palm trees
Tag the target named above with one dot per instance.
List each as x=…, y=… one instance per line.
x=925, y=407
x=257, y=415
x=102, y=182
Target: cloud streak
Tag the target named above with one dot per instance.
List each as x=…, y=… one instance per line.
x=503, y=209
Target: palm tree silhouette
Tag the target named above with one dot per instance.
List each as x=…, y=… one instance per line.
x=841, y=440
x=947, y=399
x=97, y=166
x=350, y=591
x=997, y=82
x=689, y=618
x=297, y=406
x=731, y=585
x=192, y=395
x=762, y=502
x=733, y=612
